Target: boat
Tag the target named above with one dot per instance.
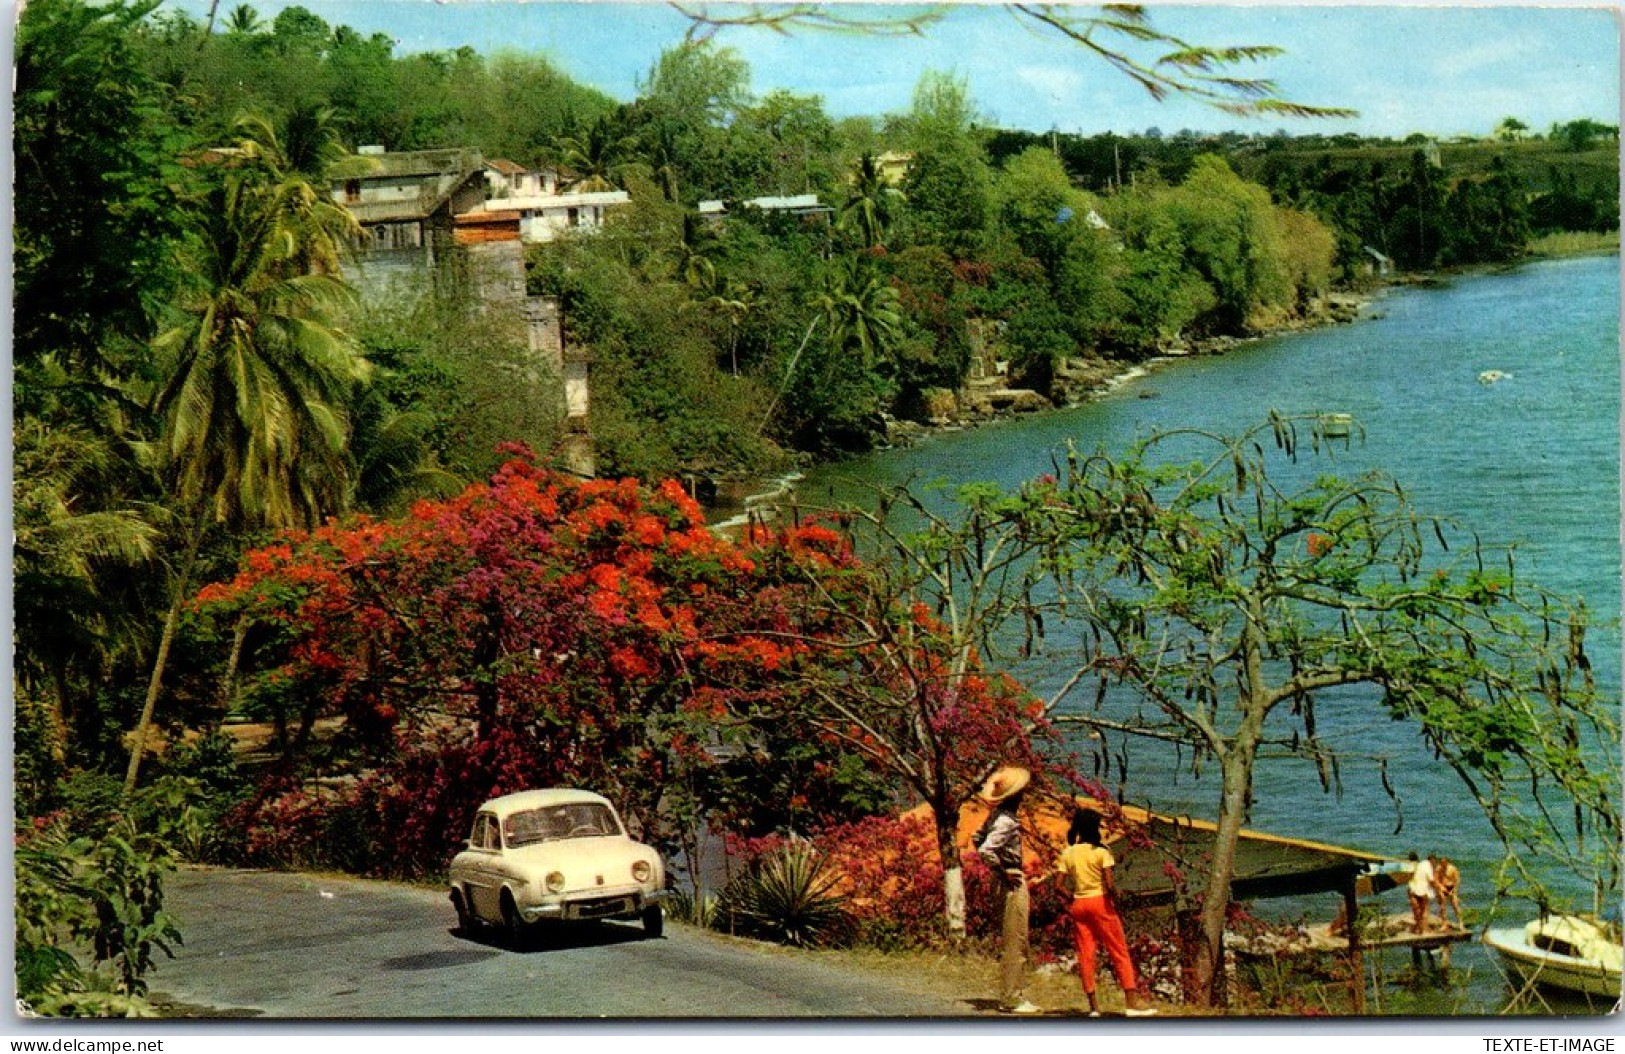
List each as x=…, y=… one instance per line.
x=1562, y=951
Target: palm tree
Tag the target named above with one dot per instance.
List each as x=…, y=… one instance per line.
x=595, y=158
x=307, y=143
x=257, y=372
x=867, y=209
x=73, y=535
x=242, y=21
x=696, y=244
x=863, y=311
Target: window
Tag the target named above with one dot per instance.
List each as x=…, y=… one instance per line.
x=352, y=190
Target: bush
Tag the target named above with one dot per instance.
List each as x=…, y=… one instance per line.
x=103, y=893
x=788, y=893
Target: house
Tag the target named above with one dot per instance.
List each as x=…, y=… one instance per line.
x=406, y=204
x=893, y=167
x=426, y=213
x=545, y=211
x=508, y=179
x=803, y=205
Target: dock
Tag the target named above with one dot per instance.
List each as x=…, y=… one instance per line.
x=1389, y=931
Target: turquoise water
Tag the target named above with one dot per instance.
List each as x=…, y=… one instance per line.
x=1531, y=460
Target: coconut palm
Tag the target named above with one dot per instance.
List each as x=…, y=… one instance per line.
x=306, y=143
x=867, y=209
x=595, y=158
x=257, y=371
x=696, y=244
x=242, y=21
x=74, y=533
x=863, y=311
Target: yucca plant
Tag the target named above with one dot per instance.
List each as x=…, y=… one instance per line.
x=788, y=896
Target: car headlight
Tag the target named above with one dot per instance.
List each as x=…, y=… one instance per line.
x=641, y=871
x=555, y=881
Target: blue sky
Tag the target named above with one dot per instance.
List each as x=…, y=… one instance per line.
x=1441, y=70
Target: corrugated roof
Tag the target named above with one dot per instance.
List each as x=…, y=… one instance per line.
x=417, y=163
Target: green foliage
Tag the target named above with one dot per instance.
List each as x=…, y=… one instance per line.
x=662, y=403
x=450, y=383
x=99, y=890
x=95, y=172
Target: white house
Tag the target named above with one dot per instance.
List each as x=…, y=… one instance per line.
x=508, y=179
x=545, y=212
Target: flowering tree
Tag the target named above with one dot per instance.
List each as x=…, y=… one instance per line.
x=539, y=630
x=532, y=630
x=898, y=668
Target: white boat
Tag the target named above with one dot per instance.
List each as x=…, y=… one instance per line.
x=1562, y=951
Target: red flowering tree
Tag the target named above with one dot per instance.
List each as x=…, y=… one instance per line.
x=895, y=674
x=541, y=630
x=532, y=630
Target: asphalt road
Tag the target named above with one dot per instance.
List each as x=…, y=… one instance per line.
x=300, y=946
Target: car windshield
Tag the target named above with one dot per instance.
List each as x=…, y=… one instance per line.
x=578, y=820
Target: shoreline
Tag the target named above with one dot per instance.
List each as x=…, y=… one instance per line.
x=1091, y=378
x=1088, y=379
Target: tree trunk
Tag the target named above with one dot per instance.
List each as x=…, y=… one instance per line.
x=183, y=582
x=953, y=874
x=1209, y=967
x=228, y=682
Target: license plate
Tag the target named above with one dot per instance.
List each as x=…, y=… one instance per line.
x=597, y=909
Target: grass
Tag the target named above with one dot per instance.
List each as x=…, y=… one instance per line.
x=1575, y=243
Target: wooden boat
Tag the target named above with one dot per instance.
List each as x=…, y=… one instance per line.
x=1562, y=951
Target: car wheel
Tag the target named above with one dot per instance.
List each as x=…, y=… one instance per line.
x=512, y=923
x=654, y=921
x=465, y=917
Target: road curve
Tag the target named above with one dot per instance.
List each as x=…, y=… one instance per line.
x=271, y=944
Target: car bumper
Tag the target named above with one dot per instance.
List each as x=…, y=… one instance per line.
x=568, y=907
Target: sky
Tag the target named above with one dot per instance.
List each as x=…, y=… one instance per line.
x=1443, y=71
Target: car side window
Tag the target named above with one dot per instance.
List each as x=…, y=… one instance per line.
x=485, y=831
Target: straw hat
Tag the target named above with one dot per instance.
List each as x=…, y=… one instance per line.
x=1005, y=783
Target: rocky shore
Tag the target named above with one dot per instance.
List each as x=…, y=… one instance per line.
x=990, y=398
x=1082, y=378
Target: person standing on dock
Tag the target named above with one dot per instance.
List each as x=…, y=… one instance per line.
x=1446, y=881
x=999, y=844
x=1421, y=891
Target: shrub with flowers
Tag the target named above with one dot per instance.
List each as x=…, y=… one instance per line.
x=891, y=882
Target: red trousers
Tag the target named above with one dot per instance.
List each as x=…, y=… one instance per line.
x=1093, y=920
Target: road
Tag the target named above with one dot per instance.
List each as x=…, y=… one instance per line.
x=280, y=945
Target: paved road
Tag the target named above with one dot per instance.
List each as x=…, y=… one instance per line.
x=299, y=946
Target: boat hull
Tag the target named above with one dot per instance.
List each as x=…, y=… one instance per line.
x=1533, y=965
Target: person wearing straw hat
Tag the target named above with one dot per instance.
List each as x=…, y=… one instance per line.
x=1000, y=847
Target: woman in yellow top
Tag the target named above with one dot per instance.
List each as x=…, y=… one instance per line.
x=1085, y=867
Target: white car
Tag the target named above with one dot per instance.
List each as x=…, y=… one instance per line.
x=555, y=854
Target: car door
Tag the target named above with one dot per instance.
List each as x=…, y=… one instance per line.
x=485, y=868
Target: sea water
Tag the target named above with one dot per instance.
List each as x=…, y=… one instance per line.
x=1527, y=455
